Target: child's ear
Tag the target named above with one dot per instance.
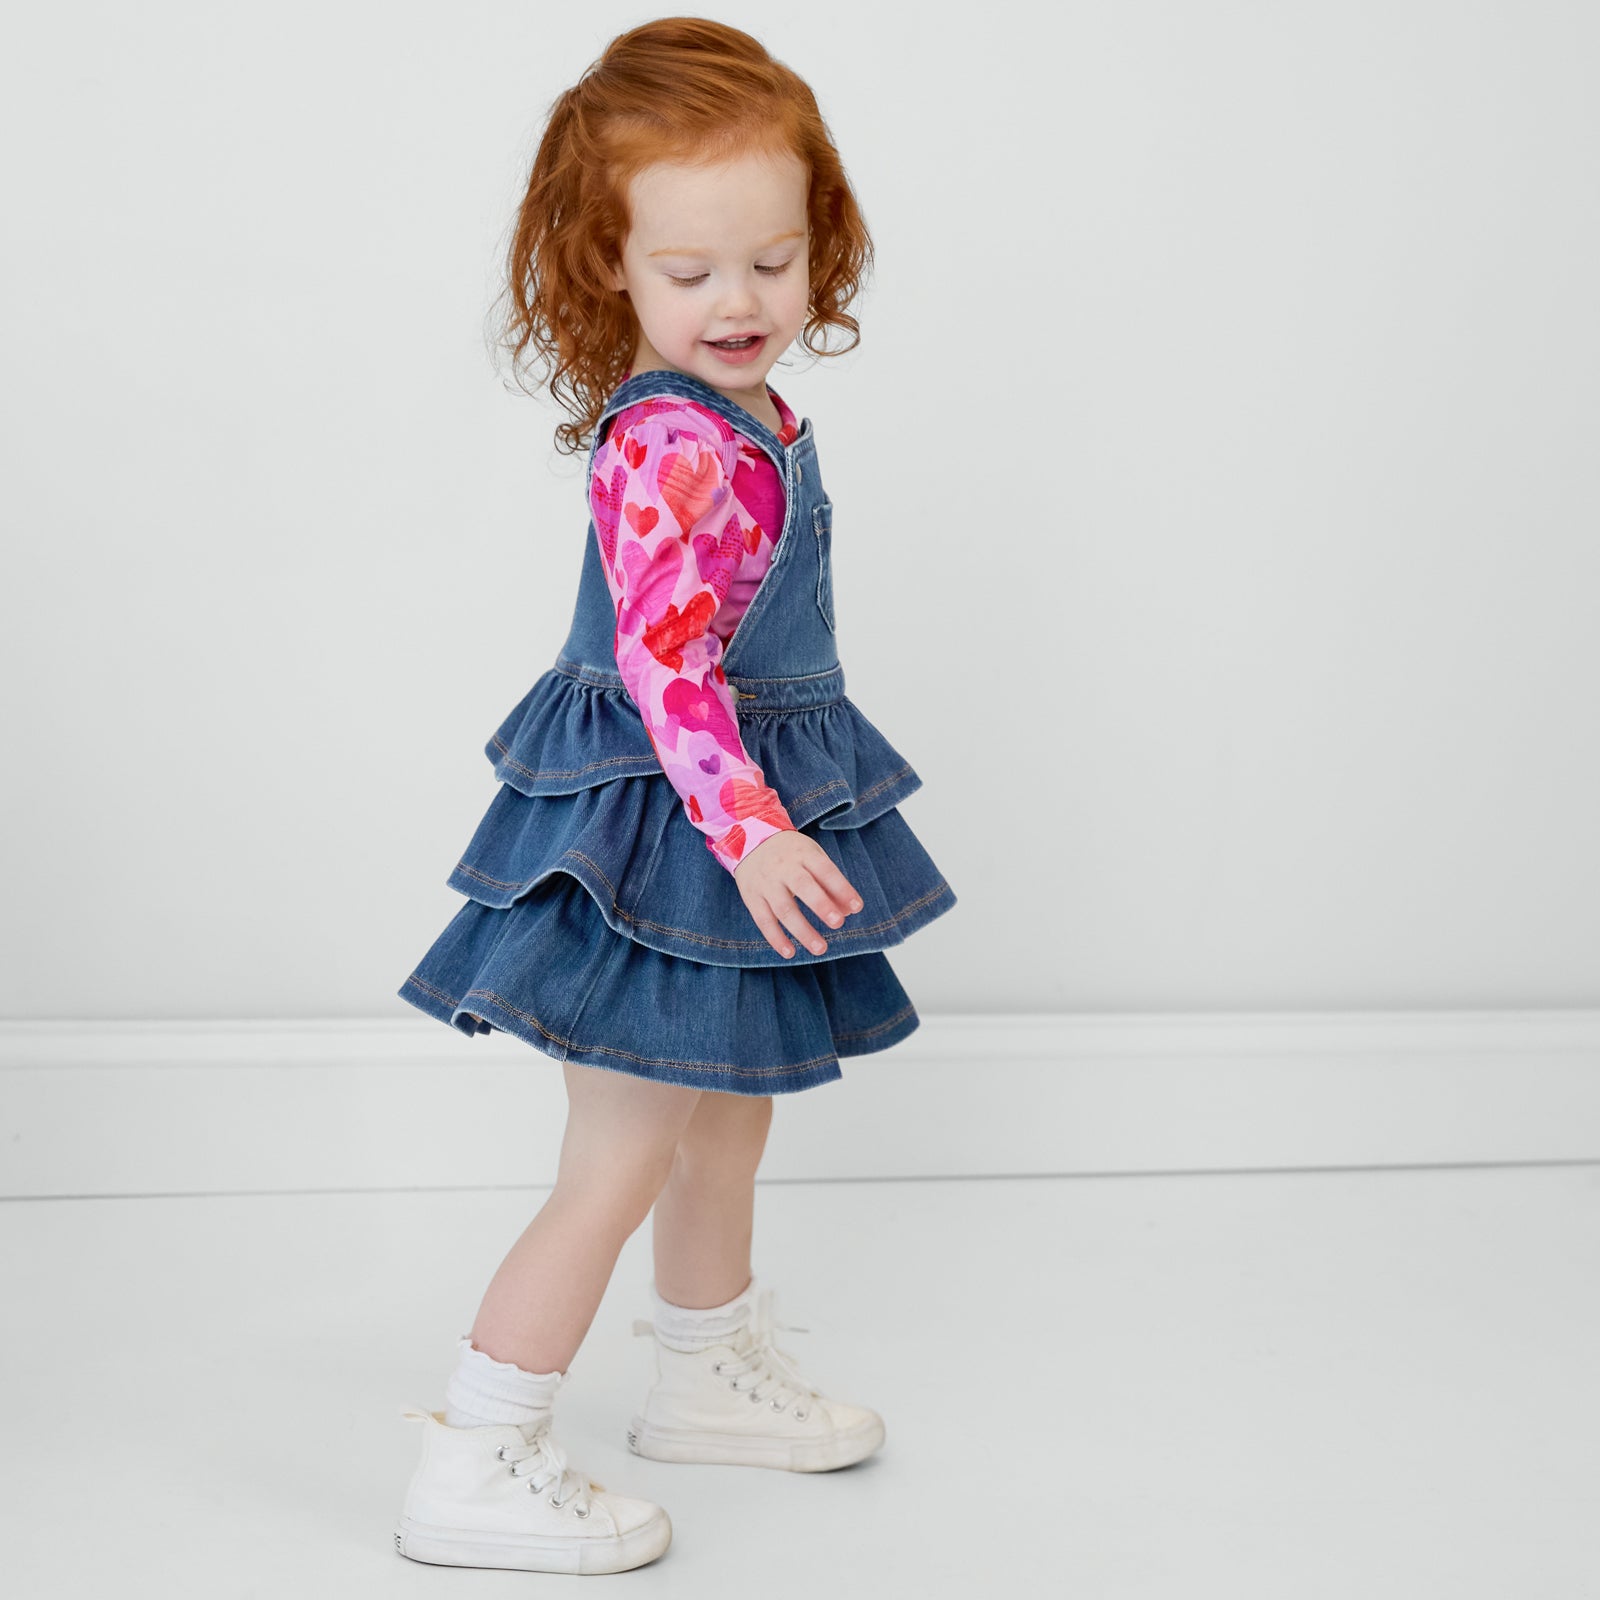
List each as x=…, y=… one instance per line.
x=618, y=281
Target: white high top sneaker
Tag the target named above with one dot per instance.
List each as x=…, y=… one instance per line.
x=504, y=1496
x=743, y=1402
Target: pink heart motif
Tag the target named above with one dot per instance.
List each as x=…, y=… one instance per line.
x=716, y=560
x=691, y=483
x=711, y=763
x=609, y=497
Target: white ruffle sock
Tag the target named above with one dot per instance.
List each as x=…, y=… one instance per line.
x=483, y=1391
x=692, y=1328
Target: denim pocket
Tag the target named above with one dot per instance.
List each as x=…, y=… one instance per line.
x=822, y=521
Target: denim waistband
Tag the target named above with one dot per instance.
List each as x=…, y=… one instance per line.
x=749, y=694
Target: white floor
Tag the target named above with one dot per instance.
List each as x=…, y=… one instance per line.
x=1360, y=1385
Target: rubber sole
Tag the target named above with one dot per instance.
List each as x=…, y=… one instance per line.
x=452, y=1547
x=709, y=1448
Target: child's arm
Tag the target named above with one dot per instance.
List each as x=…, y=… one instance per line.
x=663, y=504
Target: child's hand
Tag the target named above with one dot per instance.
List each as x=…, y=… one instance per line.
x=783, y=869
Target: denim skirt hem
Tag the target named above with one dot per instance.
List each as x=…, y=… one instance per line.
x=550, y=970
x=654, y=882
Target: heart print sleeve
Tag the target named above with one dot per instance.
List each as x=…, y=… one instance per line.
x=665, y=514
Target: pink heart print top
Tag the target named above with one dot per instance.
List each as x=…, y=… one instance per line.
x=688, y=511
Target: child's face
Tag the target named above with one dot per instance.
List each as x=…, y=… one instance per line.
x=715, y=252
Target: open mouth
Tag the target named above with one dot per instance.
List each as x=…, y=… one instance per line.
x=745, y=347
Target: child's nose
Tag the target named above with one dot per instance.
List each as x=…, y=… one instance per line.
x=740, y=297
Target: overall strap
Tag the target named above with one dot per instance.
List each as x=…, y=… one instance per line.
x=670, y=384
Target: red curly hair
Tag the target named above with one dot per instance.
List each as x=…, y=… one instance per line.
x=679, y=89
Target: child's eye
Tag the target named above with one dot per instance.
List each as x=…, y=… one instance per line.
x=689, y=283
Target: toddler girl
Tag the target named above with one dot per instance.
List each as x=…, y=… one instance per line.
x=675, y=794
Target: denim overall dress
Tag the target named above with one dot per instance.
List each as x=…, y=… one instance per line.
x=597, y=925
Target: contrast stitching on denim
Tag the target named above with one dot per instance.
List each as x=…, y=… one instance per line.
x=884, y=783
x=574, y=772
x=799, y=677
x=467, y=870
x=605, y=953
x=858, y=932
x=726, y=1067
x=587, y=675
x=733, y=682
x=811, y=794
x=485, y=879
x=610, y=682
x=658, y=1061
x=787, y=711
x=883, y=1027
x=652, y=766
x=688, y=934
x=823, y=524
x=432, y=990
x=799, y=799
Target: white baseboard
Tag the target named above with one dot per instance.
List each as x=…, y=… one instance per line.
x=144, y=1108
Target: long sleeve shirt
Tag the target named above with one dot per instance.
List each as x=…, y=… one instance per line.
x=687, y=511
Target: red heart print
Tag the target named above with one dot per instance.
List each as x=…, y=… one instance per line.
x=641, y=518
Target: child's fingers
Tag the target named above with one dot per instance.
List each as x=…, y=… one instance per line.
x=794, y=919
x=832, y=908
x=822, y=868
x=771, y=931
x=773, y=898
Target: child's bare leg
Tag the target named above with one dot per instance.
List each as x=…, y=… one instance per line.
x=705, y=1212
x=618, y=1148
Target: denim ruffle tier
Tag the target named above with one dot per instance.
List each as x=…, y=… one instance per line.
x=599, y=928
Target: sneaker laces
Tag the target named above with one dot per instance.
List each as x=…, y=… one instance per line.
x=551, y=1459
x=756, y=1349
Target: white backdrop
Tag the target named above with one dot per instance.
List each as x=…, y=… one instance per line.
x=1216, y=489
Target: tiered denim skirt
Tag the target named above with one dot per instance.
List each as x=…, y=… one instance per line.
x=598, y=928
